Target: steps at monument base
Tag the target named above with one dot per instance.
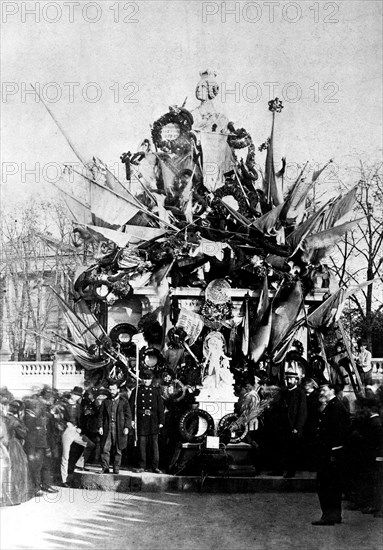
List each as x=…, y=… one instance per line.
x=233, y=482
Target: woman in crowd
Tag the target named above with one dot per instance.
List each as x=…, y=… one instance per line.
x=20, y=488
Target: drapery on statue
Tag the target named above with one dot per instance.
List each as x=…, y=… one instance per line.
x=218, y=382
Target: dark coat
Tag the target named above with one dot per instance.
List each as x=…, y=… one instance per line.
x=123, y=420
x=334, y=425
x=150, y=410
x=37, y=425
x=294, y=408
x=310, y=429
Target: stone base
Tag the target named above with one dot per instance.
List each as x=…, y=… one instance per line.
x=130, y=482
x=217, y=409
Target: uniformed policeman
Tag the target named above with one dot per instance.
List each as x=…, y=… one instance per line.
x=148, y=411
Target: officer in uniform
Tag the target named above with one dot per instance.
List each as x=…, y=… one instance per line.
x=148, y=413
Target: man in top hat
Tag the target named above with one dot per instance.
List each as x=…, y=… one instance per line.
x=294, y=414
x=148, y=411
x=114, y=422
x=72, y=434
x=334, y=423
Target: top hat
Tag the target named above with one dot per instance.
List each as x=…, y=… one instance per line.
x=77, y=391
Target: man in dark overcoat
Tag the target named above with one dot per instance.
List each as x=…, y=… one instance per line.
x=148, y=411
x=294, y=415
x=334, y=423
x=38, y=422
x=114, y=422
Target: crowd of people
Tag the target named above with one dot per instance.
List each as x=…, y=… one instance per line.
x=306, y=425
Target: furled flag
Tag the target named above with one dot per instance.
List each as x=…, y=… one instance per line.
x=286, y=306
x=272, y=186
x=261, y=324
x=245, y=326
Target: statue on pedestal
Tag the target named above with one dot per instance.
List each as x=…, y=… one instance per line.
x=218, y=383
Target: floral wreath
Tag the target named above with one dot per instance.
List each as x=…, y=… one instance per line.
x=230, y=189
x=184, y=120
x=214, y=315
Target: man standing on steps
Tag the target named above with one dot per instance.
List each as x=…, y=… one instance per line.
x=114, y=422
x=148, y=408
x=333, y=428
x=72, y=434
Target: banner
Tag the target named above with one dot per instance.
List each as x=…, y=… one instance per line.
x=192, y=323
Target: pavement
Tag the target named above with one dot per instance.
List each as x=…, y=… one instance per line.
x=86, y=519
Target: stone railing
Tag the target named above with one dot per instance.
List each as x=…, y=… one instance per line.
x=24, y=377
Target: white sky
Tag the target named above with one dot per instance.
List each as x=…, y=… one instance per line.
x=162, y=55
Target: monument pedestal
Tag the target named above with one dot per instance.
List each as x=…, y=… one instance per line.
x=217, y=409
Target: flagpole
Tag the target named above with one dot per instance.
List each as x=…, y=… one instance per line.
x=60, y=127
x=136, y=396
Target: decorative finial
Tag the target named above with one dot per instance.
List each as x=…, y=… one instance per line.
x=208, y=73
x=275, y=105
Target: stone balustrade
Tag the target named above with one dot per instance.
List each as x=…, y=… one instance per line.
x=25, y=377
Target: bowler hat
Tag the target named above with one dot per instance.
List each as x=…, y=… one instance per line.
x=77, y=391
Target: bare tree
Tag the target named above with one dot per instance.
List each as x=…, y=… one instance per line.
x=36, y=250
x=359, y=255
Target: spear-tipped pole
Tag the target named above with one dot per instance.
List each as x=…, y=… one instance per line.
x=60, y=127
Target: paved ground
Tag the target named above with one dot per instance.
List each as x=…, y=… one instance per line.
x=80, y=519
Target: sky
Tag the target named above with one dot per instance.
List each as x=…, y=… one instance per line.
x=108, y=70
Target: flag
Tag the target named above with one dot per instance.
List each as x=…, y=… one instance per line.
x=341, y=208
x=133, y=234
x=78, y=209
x=260, y=337
x=192, y=323
x=266, y=223
x=324, y=315
x=263, y=302
x=245, y=327
x=109, y=207
x=317, y=173
x=294, y=205
x=86, y=359
x=295, y=238
x=326, y=239
x=81, y=333
x=286, y=306
x=274, y=190
x=284, y=347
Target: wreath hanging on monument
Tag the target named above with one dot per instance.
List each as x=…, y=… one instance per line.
x=238, y=139
x=177, y=121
